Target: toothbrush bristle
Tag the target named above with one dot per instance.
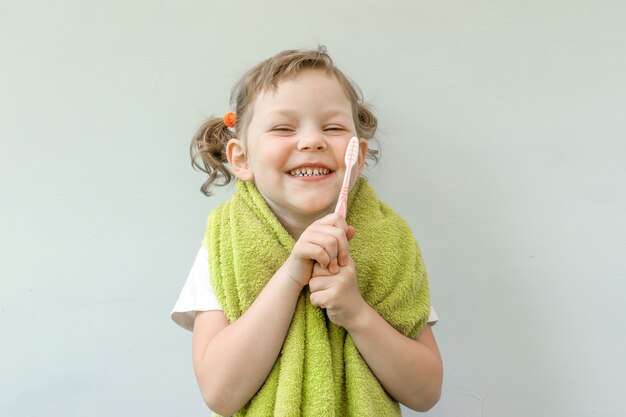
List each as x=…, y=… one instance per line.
x=350, y=160
x=352, y=150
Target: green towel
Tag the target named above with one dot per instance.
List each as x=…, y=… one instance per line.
x=319, y=371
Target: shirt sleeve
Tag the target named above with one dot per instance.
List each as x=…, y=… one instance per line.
x=433, y=318
x=198, y=295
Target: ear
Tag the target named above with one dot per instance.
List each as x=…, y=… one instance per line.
x=238, y=160
x=362, y=154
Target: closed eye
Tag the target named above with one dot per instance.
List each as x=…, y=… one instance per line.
x=334, y=129
x=282, y=129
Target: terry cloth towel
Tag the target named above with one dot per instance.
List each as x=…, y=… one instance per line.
x=319, y=371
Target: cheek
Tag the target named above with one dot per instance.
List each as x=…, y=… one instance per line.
x=268, y=158
x=339, y=151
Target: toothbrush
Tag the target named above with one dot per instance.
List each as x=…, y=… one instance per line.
x=350, y=159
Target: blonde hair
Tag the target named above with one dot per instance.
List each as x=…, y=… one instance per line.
x=208, y=146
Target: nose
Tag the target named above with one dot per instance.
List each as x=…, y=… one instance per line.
x=311, y=141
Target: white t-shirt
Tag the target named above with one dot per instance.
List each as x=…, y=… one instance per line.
x=198, y=295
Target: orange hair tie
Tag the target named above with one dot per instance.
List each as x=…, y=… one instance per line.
x=230, y=119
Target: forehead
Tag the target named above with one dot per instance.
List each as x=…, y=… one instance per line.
x=307, y=85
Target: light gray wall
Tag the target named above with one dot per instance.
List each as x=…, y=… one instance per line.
x=503, y=134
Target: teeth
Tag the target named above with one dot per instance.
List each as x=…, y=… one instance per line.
x=309, y=172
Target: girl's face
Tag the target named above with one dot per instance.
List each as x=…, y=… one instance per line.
x=295, y=145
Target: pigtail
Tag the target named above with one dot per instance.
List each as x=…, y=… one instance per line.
x=208, y=153
x=367, y=125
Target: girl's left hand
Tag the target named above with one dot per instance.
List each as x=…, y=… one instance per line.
x=338, y=293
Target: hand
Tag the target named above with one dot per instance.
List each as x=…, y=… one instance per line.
x=319, y=270
x=339, y=294
x=324, y=242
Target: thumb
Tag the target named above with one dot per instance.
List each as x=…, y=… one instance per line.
x=350, y=232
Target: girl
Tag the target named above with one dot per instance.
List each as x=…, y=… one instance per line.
x=304, y=313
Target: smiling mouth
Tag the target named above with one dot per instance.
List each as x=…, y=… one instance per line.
x=309, y=172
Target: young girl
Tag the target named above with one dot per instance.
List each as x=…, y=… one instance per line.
x=304, y=313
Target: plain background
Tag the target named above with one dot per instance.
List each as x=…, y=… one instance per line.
x=502, y=128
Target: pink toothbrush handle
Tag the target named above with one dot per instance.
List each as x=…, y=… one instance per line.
x=342, y=204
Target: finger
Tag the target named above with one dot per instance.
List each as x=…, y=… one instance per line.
x=333, y=266
x=324, y=240
x=320, y=271
x=318, y=299
x=316, y=253
x=333, y=240
x=342, y=251
x=350, y=233
x=327, y=237
x=320, y=283
x=334, y=219
x=341, y=242
x=324, y=298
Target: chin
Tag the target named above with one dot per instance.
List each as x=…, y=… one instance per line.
x=316, y=209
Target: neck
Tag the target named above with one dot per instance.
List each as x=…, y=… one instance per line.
x=296, y=223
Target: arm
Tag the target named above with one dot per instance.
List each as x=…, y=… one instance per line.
x=232, y=361
x=411, y=371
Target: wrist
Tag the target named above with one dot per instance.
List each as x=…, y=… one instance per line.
x=291, y=281
x=361, y=318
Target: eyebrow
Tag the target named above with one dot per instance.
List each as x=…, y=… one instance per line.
x=325, y=114
x=337, y=112
x=282, y=112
